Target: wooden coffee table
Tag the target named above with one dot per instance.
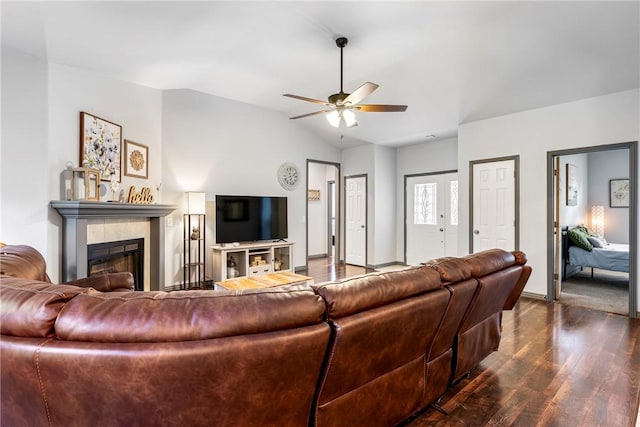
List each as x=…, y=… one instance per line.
x=263, y=281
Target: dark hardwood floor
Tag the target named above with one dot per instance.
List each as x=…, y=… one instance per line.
x=558, y=365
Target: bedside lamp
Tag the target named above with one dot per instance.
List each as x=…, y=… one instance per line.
x=597, y=219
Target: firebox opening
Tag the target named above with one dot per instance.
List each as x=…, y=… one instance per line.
x=118, y=257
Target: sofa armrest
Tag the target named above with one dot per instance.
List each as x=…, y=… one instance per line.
x=108, y=282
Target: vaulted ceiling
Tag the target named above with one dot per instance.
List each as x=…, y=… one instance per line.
x=451, y=62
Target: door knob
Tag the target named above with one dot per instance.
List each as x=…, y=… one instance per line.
x=441, y=229
x=476, y=231
x=362, y=226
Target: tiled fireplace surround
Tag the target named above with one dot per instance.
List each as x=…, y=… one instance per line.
x=86, y=223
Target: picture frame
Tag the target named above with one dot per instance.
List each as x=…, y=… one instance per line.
x=100, y=146
x=313, y=195
x=619, y=193
x=136, y=159
x=572, y=185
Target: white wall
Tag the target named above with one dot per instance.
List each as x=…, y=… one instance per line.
x=220, y=146
x=40, y=116
x=596, y=121
x=428, y=157
x=604, y=166
x=24, y=171
x=384, y=210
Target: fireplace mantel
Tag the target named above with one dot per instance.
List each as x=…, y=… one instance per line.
x=84, y=209
x=77, y=213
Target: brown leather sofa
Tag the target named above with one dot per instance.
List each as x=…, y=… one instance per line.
x=370, y=350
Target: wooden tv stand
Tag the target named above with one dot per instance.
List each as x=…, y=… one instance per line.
x=251, y=259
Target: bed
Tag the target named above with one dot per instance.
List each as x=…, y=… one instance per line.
x=614, y=256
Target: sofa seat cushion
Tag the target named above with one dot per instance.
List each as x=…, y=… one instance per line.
x=186, y=315
x=29, y=308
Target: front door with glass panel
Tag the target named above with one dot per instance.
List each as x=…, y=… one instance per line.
x=431, y=212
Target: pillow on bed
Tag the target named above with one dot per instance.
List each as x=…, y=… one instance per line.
x=598, y=241
x=580, y=238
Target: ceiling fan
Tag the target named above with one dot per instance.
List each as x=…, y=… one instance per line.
x=341, y=106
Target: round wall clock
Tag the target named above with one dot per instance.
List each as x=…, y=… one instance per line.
x=288, y=176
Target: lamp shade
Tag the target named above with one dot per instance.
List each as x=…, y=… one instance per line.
x=195, y=203
x=597, y=219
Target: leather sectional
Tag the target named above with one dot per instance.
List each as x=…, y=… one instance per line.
x=368, y=350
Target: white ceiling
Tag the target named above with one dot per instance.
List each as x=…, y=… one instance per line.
x=451, y=62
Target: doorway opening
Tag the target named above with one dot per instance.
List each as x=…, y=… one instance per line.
x=592, y=195
x=323, y=213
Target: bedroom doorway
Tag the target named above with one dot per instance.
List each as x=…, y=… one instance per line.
x=323, y=214
x=595, y=267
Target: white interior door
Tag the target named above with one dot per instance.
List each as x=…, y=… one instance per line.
x=494, y=205
x=356, y=221
x=431, y=227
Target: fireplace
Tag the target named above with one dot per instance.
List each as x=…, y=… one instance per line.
x=76, y=218
x=118, y=257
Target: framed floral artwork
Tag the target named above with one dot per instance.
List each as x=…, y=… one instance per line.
x=100, y=145
x=136, y=159
x=619, y=193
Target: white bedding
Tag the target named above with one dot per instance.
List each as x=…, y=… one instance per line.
x=613, y=257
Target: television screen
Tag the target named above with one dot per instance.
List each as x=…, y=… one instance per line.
x=250, y=218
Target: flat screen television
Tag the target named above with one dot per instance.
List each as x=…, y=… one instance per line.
x=250, y=218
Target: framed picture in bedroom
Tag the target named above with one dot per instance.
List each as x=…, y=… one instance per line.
x=100, y=146
x=619, y=193
x=572, y=185
x=136, y=159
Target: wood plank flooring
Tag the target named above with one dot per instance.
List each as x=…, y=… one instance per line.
x=558, y=365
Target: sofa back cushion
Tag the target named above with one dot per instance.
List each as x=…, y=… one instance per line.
x=29, y=308
x=23, y=261
x=369, y=291
x=186, y=315
x=383, y=325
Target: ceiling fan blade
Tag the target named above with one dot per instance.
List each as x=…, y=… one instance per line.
x=361, y=93
x=303, y=98
x=309, y=114
x=378, y=108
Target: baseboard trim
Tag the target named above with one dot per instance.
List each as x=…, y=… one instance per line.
x=534, y=295
x=387, y=264
x=318, y=256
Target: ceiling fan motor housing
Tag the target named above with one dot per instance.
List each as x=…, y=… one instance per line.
x=338, y=98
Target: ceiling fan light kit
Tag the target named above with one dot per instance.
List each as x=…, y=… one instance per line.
x=341, y=106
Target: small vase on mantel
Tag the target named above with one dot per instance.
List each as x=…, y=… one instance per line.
x=158, y=193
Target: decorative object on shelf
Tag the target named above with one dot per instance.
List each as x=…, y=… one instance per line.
x=136, y=159
x=619, y=193
x=100, y=145
x=277, y=264
x=194, y=241
x=288, y=176
x=572, y=185
x=313, y=195
x=195, y=232
x=597, y=220
x=158, y=185
x=231, y=268
x=85, y=183
x=115, y=186
x=144, y=197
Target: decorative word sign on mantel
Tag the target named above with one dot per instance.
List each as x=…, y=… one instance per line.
x=144, y=197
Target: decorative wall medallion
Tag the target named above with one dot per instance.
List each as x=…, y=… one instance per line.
x=288, y=176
